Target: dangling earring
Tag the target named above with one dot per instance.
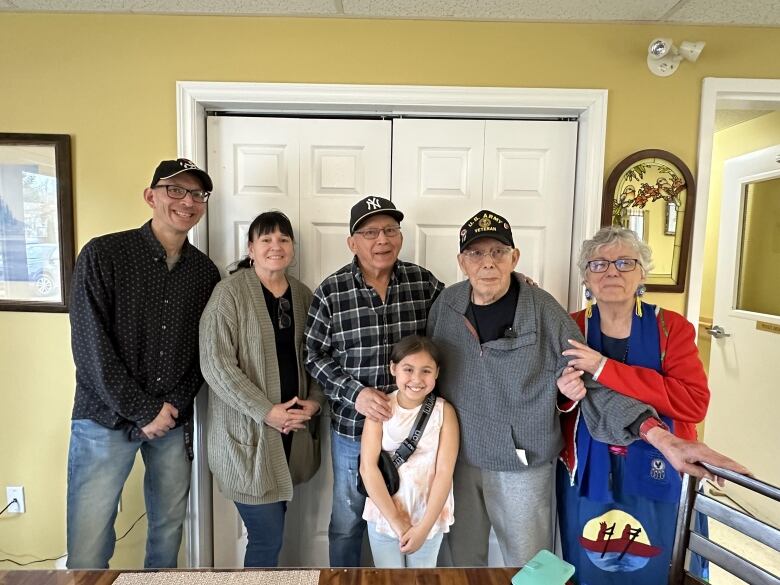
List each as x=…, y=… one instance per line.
x=638, y=299
x=589, y=305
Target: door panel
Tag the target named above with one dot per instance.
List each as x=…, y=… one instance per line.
x=341, y=161
x=254, y=164
x=437, y=178
x=529, y=179
x=313, y=171
x=741, y=371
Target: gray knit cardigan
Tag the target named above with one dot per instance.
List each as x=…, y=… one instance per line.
x=238, y=361
x=504, y=391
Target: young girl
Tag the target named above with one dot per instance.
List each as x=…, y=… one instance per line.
x=406, y=529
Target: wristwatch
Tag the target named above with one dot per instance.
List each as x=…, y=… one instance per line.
x=651, y=423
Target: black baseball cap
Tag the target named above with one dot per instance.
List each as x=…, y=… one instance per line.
x=372, y=205
x=170, y=168
x=486, y=224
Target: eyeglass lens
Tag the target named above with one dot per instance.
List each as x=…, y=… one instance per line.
x=622, y=265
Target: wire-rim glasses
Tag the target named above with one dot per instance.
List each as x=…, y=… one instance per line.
x=497, y=254
x=622, y=265
x=373, y=233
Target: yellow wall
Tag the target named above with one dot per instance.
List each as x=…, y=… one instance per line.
x=108, y=81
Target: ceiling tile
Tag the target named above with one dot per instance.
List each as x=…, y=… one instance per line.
x=752, y=12
x=228, y=7
x=552, y=10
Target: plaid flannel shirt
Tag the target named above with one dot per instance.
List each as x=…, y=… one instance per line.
x=350, y=332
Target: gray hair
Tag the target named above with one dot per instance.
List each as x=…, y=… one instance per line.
x=615, y=236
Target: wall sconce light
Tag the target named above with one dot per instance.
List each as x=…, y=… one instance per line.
x=663, y=57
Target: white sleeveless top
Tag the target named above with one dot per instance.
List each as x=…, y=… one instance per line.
x=416, y=475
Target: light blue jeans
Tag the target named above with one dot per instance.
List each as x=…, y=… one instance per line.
x=99, y=461
x=387, y=555
x=345, y=533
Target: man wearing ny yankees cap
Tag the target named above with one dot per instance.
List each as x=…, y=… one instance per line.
x=357, y=314
x=136, y=302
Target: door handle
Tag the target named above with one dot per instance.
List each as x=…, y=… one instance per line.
x=717, y=332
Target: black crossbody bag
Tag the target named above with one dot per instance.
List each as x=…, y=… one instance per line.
x=390, y=462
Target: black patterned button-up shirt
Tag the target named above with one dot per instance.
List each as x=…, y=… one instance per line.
x=350, y=332
x=134, y=328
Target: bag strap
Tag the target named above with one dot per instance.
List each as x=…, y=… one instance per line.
x=406, y=448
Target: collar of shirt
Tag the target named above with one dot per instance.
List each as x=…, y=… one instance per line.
x=156, y=248
x=358, y=274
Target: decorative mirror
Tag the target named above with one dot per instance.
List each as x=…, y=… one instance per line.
x=652, y=193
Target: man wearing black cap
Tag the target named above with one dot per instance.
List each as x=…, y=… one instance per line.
x=135, y=308
x=502, y=341
x=357, y=314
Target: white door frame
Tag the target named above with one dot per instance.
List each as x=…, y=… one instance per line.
x=195, y=98
x=718, y=93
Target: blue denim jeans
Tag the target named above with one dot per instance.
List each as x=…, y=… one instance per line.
x=387, y=554
x=265, y=532
x=345, y=533
x=99, y=461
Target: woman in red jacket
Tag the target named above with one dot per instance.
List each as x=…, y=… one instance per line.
x=617, y=505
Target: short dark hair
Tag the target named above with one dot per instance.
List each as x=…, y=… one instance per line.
x=415, y=344
x=266, y=223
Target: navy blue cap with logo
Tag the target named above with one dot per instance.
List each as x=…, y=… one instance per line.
x=369, y=206
x=486, y=224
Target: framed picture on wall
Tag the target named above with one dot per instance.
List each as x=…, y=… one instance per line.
x=36, y=222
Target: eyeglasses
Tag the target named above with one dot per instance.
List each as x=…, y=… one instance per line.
x=622, y=265
x=176, y=192
x=283, y=315
x=373, y=233
x=497, y=254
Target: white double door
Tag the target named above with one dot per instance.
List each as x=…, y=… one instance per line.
x=437, y=171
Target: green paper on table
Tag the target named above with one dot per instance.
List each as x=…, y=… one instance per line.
x=544, y=569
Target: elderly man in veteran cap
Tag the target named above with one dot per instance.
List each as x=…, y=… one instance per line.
x=502, y=341
x=135, y=308
x=357, y=314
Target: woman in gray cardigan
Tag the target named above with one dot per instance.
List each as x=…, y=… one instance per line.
x=262, y=423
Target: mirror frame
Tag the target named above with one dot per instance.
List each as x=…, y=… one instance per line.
x=608, y=201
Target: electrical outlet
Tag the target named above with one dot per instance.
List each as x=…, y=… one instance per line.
x=15, y=492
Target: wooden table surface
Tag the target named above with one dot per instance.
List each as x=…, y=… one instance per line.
x=440, y=576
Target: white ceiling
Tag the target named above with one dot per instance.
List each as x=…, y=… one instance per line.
x=709, y=12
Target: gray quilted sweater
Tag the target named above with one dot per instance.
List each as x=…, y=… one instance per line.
x=238, y=360
x=504, y=391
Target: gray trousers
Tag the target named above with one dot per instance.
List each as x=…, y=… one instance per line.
x=516, y=504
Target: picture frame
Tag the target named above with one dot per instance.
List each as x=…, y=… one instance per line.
x=36, y=222
x=650, y=181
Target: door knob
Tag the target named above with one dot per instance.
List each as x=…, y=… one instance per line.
x=717, y=332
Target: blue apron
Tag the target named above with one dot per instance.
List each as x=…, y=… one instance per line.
x=618, y=520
